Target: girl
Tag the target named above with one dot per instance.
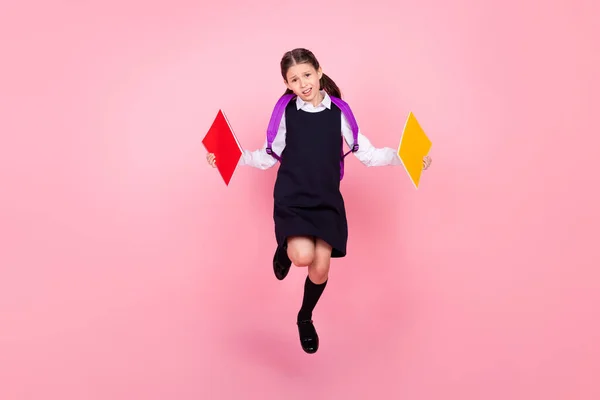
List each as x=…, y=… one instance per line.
x=309, y=212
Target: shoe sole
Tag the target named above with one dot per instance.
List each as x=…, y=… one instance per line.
x=279, y=270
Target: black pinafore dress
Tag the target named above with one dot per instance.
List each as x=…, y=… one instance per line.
x=307, y=197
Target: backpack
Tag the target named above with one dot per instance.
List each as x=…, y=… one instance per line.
x=278, y=114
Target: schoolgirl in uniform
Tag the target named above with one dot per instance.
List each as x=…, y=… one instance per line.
x=309, y=212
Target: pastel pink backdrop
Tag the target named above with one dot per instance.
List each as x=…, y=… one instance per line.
x=129, y=271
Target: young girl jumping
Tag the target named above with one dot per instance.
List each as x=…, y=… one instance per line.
x=309, y=211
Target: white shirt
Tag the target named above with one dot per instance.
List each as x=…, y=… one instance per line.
x=367, y=153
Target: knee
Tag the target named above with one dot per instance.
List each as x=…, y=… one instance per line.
x=319, y=271
x=318, y=275
x=301, y=257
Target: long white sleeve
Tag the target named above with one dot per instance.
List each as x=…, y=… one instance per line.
x=259, y=158
x=368, y=154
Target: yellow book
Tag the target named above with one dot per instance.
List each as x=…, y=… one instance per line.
x=414, y=146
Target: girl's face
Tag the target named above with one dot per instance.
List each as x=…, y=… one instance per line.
x=303, y=80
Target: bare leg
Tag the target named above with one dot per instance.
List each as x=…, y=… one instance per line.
x=301, y=250
x=318, y=270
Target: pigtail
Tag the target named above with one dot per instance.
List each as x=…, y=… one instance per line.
x=328, y=85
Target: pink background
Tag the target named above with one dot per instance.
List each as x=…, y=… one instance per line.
x=129, y=270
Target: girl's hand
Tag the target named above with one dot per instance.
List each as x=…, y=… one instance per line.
x=210, y=157
x=426, y=162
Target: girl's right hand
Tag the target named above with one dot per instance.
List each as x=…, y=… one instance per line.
x=210, y=157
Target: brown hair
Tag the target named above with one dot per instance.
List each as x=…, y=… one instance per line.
x=302, y=56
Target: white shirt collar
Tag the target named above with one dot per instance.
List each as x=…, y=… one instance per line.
x=325, y=103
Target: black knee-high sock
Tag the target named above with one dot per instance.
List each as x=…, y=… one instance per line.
x=312, y=293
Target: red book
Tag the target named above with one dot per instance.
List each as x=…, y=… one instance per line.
x=222, y=142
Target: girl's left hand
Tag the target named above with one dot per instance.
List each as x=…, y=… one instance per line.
x=426, y=162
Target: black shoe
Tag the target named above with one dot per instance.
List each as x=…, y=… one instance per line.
x=308, y=336
x=281, y=263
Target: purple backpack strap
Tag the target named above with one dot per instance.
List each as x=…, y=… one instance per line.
x=273, y=127
x=345, y=108
x=277, y=114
